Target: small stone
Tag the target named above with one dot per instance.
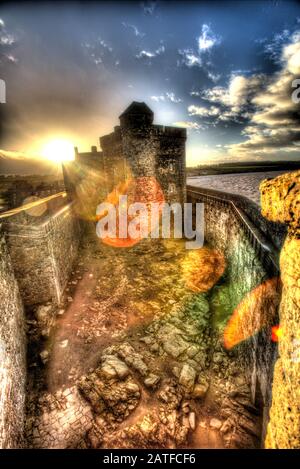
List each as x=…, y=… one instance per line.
x=154, y=347
x=45, y=332
x=218, y=358
x=239, y=381
x=192, y=420
x=152, y=380
x=43, y=312
x=226, y=426
x=147, y=340
x=44, y=356
x=187, y=377
x=215, y=423
x=185, y=410
x=200, y=391
x=64, y=343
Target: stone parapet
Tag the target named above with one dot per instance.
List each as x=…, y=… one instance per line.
x=42, y=254
x=12, y=354
x=281, y=202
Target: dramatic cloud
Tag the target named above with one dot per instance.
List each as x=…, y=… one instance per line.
x=231, y=104
x=240, y=91
x=275, y=126
x=274, y=47
x=263, y=102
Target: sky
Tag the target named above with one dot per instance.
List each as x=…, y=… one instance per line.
x=224, y=70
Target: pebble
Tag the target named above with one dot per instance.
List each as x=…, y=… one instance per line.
x=215, y=423
x=192, y=420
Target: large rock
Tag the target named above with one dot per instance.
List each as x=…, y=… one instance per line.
x=112, y=366
x=187, y=377
x=116, y=399
x=132, y=358
x=172, y=341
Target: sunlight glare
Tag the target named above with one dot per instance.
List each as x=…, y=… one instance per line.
x=58, y=151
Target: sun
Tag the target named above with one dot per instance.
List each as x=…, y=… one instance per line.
x=58, y=150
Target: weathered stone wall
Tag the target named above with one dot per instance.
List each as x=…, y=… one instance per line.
x=42, y=254
x=113, y=159
x=12, y=355
x=247, y=267
x=281, y=202
x=274, y=232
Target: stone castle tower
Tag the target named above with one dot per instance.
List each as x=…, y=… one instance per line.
x=136, y=148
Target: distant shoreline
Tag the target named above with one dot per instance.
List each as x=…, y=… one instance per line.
x=247, y=167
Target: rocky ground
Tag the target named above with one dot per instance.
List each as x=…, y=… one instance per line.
x=132, y=359
x=246, y=184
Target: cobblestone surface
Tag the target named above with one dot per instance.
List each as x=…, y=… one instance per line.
x=62, y=421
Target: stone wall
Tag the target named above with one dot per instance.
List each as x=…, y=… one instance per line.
x=12, y=355
x=248, y=265
x=281, y=202
x=42, y=253
x=273, y=232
